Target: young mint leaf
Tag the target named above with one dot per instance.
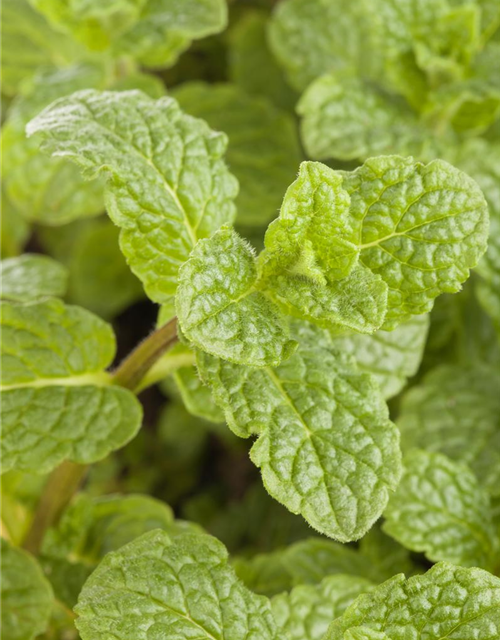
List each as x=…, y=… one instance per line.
x=422, y=228
x=44, y=189
x=182, y=588
x=306, y=612
x=55, y=402
x=255, y=129
x=196, y=396
x=26, y=595
x=446, y=602
x=30, y=277
x=28, y=44
x=391, y=356
x=220, y=309
x=326, y=447
x=252, y=65
x=456, y=411
x=346, y=118
x=167, y=186
x=440, y=509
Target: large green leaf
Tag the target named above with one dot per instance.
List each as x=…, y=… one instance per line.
x=391, y=356
x=422, y=228
x=31, y=277
x=456, y=411
x=440, y=509
x=56, y=402
x=26, y=595
x=263, y=150
x=325, y=446
x=306, y=612
x=167, y=184
x=220, y=309
x=446, y=602
x=179, y=588
x=44, y=189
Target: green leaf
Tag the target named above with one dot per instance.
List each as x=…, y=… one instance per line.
x=264, y=573
x=14, y=231
x=196, y=396
x=44, y=189
x=346, y=118
x=440, y=509
x=263, y=150
x=446, y=602
x=456, y=411
x=184, y=192
x=363, y=633
x=29, y=43
x=320, y=36
x=325, y=446
x=55, y=402
x=391, y=356
x=31, y=277
x=306, y=612
x=220, y=309
x=182, y=588
x=26, y=595
x=252, y=65
x=312, y=247
x=422, y=228
x=99, y=278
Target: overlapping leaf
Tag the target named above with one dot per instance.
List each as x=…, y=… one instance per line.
x=440, y=509
x=220, y=309
x=168, y=185
x=56, y=404
x=447, y=601
x=456, y=411
x=263, y=150
x=31, y=277
x=181, y=588
x=27, y=598
x=325, y=446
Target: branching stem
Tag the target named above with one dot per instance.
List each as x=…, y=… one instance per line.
x=135, y=366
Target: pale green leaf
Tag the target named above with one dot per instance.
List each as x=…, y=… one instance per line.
x=325, y=446
x=179, y=588
x=421, y=228
x=26, y=595
x=456, y=411
x=44, y=189
x=446, y=602
x=166, y=28
x=252, y=65
x=167, y=186
x=263, y=150
x=391, y=356
x=55, y=402
x=320, y=36
x=30, y=277
x=29, y=43
x=14, y=230
x=196, y=396
x=440, y=509
x=220, y=309
x=306, y=612
x=346, y=118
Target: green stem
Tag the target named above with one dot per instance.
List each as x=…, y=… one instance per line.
x=60, y=487
x=136, y=365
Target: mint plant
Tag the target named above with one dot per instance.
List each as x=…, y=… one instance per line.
x=316, y=323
